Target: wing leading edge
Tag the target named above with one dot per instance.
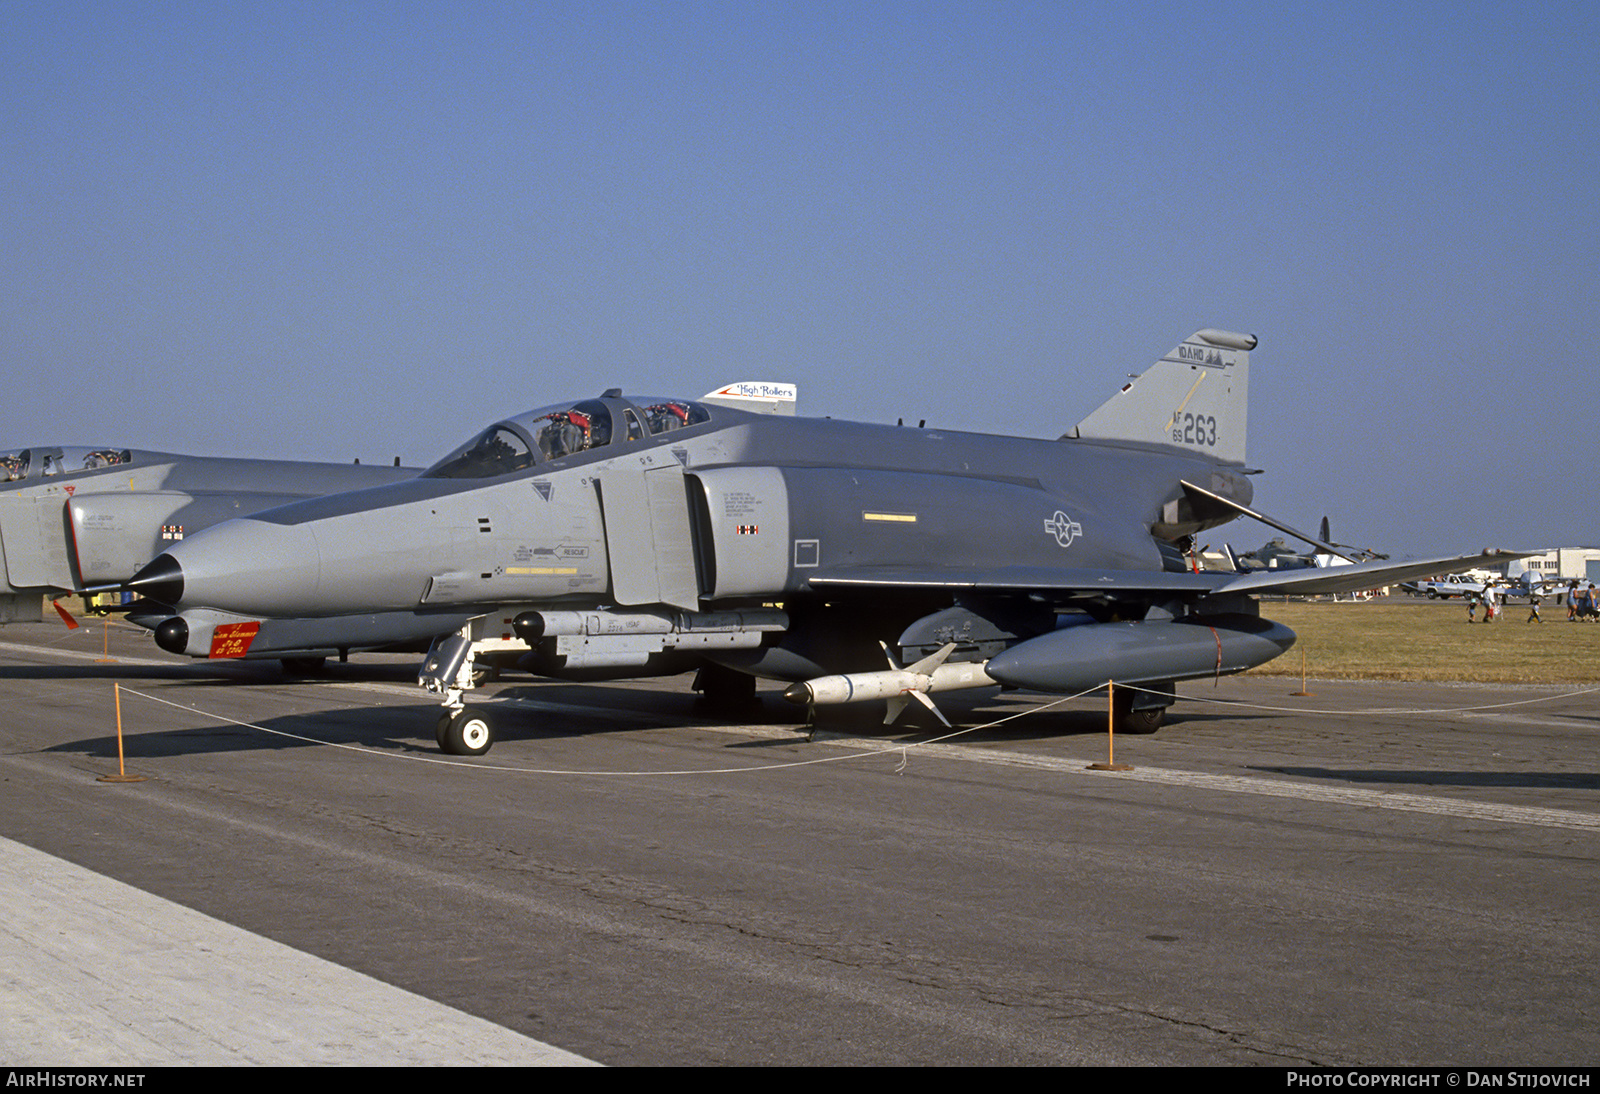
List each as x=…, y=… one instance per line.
x=1342, y=579
x=1363, y=575
x=1022, y=579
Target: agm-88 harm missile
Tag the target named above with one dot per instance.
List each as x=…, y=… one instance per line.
x=895, y=685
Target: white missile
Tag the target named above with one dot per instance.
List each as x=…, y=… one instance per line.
x=895, y=685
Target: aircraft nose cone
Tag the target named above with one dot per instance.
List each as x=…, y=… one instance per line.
x=161, y=581
x=246, y=566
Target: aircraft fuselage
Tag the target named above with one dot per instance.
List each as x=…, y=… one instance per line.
x=739, y=509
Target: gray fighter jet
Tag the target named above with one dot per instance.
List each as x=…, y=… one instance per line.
x=76, y=518
x=638, y=535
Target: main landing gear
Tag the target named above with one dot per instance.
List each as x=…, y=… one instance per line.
x=1141, y=711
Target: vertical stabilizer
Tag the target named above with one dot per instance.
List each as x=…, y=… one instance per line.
x=1194, y=398
x=756, y=396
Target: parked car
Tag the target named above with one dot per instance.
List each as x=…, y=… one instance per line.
x=1448, y=586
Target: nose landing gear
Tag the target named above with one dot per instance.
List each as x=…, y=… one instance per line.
x=465, y=732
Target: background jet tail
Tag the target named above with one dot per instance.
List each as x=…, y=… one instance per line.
x=1194, y=398
x=758, y=396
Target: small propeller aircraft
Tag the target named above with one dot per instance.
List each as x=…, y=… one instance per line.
x=632, y=535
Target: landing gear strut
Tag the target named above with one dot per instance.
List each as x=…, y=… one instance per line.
x=451, y=669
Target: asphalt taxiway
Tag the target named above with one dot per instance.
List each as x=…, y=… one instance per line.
x=1377, y=874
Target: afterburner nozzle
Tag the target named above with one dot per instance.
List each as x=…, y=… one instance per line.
x=161, y=581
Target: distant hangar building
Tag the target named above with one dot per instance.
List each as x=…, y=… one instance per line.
x=1562, y=564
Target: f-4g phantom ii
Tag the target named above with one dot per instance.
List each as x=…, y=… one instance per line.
x=639, y=535
x=73, y=518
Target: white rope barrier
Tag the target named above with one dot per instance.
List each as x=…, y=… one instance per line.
x=900, y=747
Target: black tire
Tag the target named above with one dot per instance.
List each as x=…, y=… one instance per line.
x=303, y=666
x=1142, y=722
x=469, y=733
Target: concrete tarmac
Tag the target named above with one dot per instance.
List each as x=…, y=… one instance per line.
x=98, y=974
x=1377, y=874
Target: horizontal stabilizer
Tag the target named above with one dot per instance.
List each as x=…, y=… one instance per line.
x=756, y=396
x=1245, y=511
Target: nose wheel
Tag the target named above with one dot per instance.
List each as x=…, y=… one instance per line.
x=449, y=670
x=467, y=732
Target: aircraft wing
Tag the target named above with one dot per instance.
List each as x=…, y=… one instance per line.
x=1363, y=575
x=1302, y=581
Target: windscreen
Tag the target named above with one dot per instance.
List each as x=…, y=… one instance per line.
x=498, y=450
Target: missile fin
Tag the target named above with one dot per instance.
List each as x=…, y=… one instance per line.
x=922, y=697
x=926, y=666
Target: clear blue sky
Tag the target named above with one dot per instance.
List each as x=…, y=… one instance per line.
x=328, y=230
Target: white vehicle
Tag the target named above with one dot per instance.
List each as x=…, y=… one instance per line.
x=1453, y=585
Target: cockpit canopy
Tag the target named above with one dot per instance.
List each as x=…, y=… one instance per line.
x=37, y=463
x=553, y=433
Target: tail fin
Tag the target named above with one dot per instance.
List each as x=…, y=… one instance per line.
x=1194, y=398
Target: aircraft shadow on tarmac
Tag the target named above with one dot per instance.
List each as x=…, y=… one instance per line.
x=591, y=709
x=379, y=728
x=108, y=672
x=208, y=673
x=523, y=712
x=1545, y=780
